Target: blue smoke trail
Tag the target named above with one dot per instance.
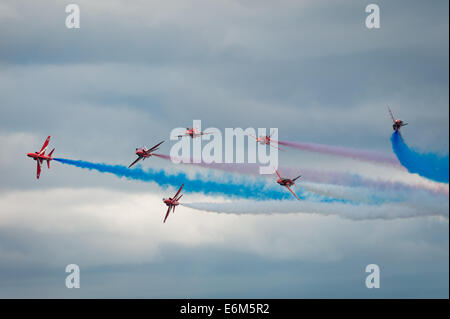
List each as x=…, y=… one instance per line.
x=252, y=190
x=429, y=165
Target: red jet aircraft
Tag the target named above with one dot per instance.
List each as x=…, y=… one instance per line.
x=192, y=132
x=265, y=140
x=287, y=182
x=40, y=156
x=397, y=124
x=171, y=202
x=144, y=153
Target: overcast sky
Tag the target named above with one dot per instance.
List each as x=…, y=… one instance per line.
x=137, y=69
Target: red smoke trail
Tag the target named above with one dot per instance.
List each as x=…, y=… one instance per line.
x=368, y=156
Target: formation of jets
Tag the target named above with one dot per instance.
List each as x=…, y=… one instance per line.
x=145, y=152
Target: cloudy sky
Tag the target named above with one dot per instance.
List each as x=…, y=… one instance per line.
x=137, y=69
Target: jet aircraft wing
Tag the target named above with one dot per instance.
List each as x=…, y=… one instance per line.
x=292, y=192
x=137, y=160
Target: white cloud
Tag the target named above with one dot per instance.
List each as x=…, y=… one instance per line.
x=99, y=226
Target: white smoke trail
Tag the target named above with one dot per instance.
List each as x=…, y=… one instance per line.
x=344, y=210
x=414, y=197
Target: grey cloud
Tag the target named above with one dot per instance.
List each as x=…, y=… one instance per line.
x=136, y=70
